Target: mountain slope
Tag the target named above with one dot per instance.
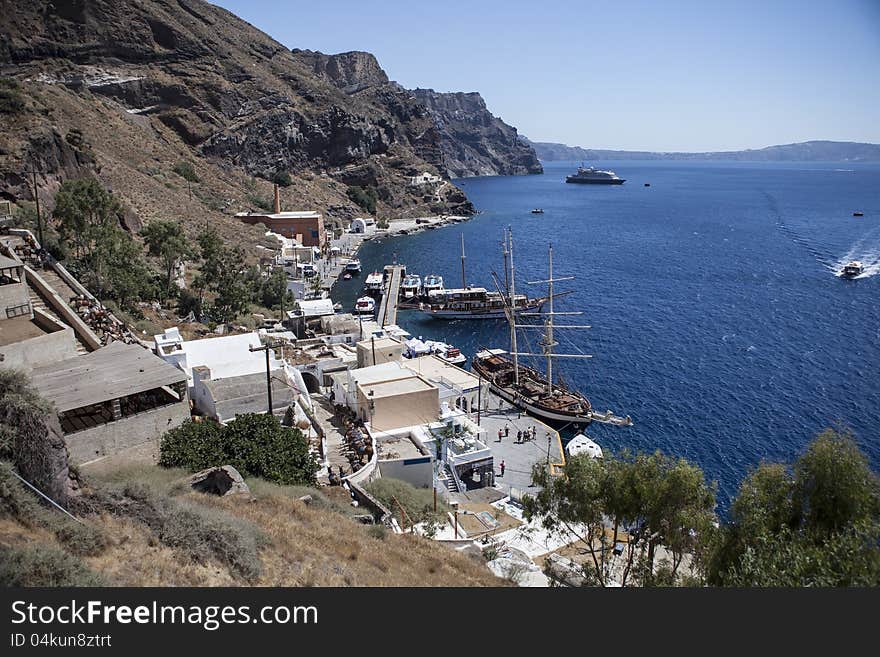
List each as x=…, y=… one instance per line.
x=148, y=83
x=473, y=141
x=808, y=151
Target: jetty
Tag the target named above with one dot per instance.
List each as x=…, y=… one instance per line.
x=388, y=306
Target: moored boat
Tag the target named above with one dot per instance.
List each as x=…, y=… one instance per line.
x=365, y=306
x=411, y=286
x=373, y=284
x=353, y=266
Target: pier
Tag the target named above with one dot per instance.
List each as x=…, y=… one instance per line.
x=388, y=306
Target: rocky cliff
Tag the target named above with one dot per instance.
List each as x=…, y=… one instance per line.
x=473, y=141
x=126, y=89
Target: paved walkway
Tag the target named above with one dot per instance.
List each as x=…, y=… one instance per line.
x=334, y=431
x=518, y=457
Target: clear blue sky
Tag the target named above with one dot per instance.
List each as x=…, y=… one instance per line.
x=661, y=75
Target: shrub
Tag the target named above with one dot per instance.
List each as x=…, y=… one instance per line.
x=282, y=178
x=11, y=99
x=260, y=202
x=254, y=444
x=185, y=170
x=193, y=445
x=80, y=539
x=16, y=501
x=198, y=532
x=364, y=197
x=44, y=565
x=417, y=502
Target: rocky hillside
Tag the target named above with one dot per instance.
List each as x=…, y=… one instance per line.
x=127, y=89
x=473, y=141
x=808, y=151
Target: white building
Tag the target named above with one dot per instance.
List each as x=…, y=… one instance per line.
x=424, y=178
x=464, y=386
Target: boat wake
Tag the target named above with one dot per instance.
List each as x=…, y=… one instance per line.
x=869, y=257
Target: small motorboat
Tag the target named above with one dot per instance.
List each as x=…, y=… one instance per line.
x=538, y=211
x=346, y=276
x=581, y=444
x=647, y=184
x=858, y=214
x=365, y=306
x=353, y=266
x=852, y=269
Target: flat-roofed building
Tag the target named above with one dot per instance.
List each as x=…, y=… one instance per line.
x=114, y=402
x=375, y=351
x=306, y=227
x=465, y=386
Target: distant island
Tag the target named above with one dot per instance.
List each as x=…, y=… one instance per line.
x=807, y=151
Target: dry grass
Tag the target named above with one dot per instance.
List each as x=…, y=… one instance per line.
x=302, y=545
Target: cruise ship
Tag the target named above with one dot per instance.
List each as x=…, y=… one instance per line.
x=593, y=176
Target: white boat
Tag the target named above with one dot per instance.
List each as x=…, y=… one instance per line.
x=433, y=283
x=416, y=348
x=411, y=286
x=582, y=444
x=365, y=306
x=373, y=284
x=475, y=303
x=353, y=265
x=852, y=269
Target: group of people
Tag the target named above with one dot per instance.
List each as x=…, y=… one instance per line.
x=521, y=435
x=335, y=479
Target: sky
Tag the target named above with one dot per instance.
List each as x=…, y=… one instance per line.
x=665, y=75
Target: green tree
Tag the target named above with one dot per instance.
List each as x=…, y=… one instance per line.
x=365, y=197
x=282, y=178
x=661, y=501
x=167, y=241
x=814, y=524
x=255, y=444
x=83, y=208
x=274, y=290
x=186, y=171
x=224, y=272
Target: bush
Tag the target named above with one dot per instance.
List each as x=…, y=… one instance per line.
x=260, y=202
x=186, y=171
x=44, y=565
x=417, y=502
x=254, y=444
x=364, y=197
x=194, y=446
x=282, y=178
x=16, y=502
x=199, y=533
x=80, y=539
x=11, y=99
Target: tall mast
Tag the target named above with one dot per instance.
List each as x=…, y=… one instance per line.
x=463, y=279
x=506, y=269
x=548, y=324
x=513, y=348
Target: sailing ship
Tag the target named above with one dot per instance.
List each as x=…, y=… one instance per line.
x=534, y=391
x=469, y=302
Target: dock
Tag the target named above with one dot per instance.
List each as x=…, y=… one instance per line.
x=388, y=306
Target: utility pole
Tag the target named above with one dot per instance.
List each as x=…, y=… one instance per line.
x=33, y=174
x=267, y=347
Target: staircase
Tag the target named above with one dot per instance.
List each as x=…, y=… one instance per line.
x=448, y=480
x=38, y=302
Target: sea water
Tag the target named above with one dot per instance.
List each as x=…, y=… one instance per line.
x=719, y=320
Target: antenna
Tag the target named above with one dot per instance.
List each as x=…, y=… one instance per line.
x=463, y=279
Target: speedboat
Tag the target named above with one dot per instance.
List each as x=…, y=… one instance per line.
x=858, y=214
x=365, y=306
x=538, y=211
x=451, y=355
x=582, y=444
x=346, y=276
x=852, y=269
x=353, y=266
x=411, y=286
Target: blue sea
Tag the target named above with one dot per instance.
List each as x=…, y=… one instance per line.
x=719, y=322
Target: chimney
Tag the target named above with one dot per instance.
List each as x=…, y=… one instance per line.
x=277, y=200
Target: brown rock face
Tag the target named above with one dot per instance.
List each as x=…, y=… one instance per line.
x=150, y=82
x=473, y=141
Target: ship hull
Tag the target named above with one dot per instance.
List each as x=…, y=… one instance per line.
x=442, y=313
x=610, y=181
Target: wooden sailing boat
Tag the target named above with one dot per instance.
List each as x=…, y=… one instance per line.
x=525, y=387
x=470, y=302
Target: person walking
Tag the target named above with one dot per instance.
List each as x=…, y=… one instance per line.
x=506, y=430
x=519, y=436
x=502, y=467
x=500, y=434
